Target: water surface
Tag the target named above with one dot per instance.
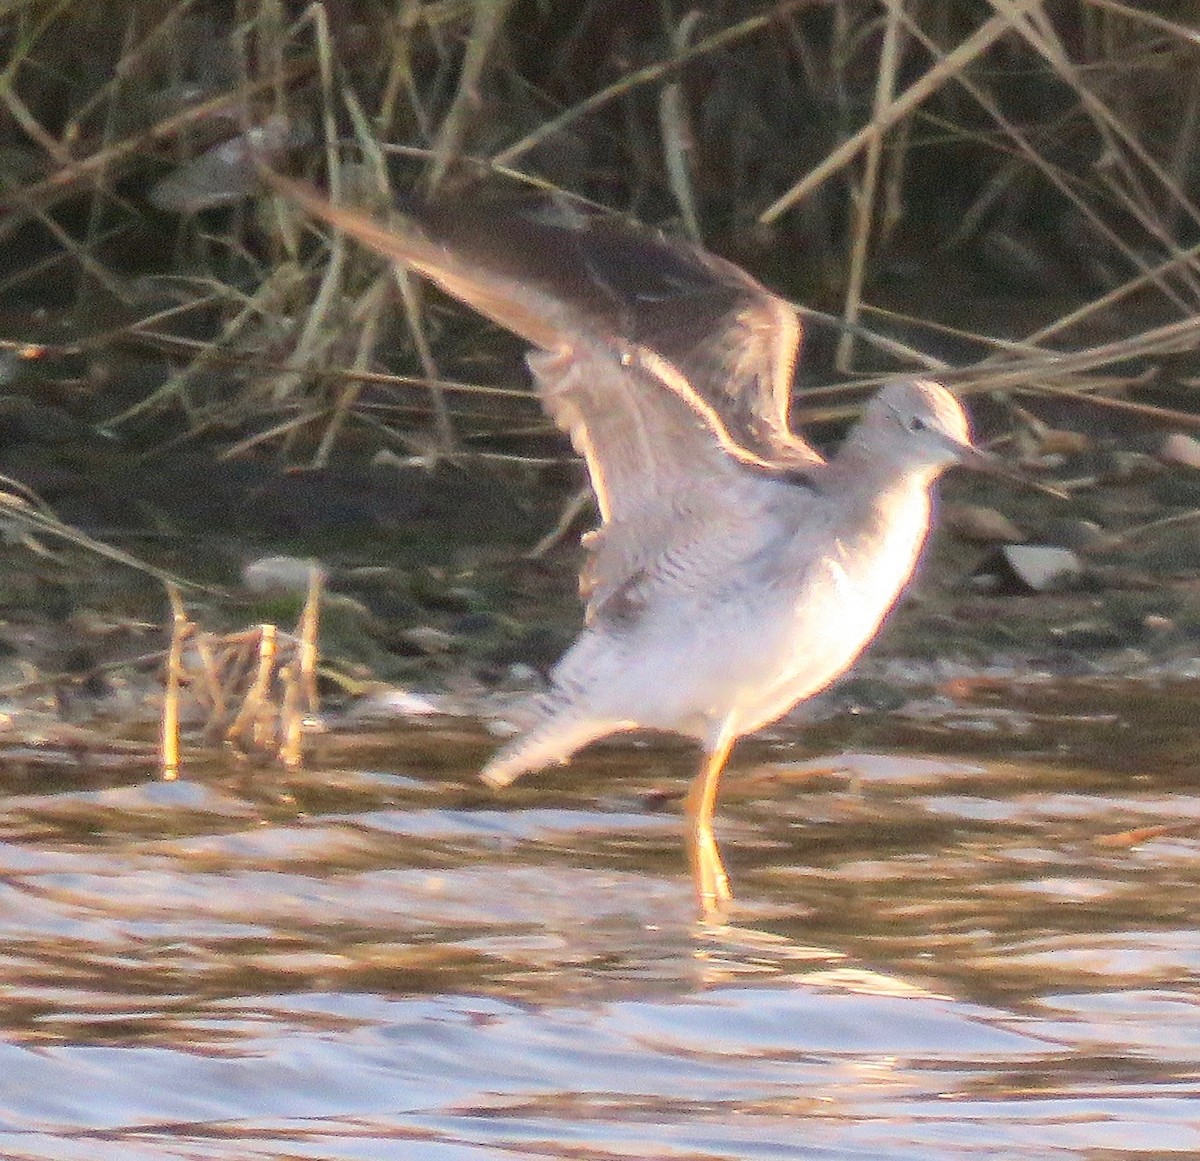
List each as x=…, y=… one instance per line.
x=966, y=930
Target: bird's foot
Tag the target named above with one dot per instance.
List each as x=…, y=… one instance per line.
x=713, y=892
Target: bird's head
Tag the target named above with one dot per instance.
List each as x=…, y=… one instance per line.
x=917, y=424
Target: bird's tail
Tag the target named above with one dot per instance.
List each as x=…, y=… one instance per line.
x=560, y=727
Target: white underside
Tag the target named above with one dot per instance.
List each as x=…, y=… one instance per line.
x=734, y=657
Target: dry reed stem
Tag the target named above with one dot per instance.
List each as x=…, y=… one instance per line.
x=678, y=143
x=1061, y=181
x=414, y=315
x=1040, y=35
x=237, y=655
x=401, y=75
x=1182, y=31
x=1112, y=297
x=29, y=124
x=86, y=288
x=468, y=99
x=179, y=344
x=291, y=742
x=210, y=671
x=261, y=659
x=270, y=291
x=864, y=209
x=131, y=58
x=1170, y=338
x=371, y=306
x=902, y=352
x=21, y=505
x=258, y=711
x=180, y=630
x=321, y=327
x=566, y=518
x=491, y=166
x=300, y=676
x=285, y=427
x=306, y=631
x=948, y=66
x=643, y=76
x=55, y=258
x=254, y=688
x=76, y=250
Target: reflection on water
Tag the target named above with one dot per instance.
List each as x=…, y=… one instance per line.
x=952, y=941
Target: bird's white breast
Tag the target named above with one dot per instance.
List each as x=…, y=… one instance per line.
x=780, y=614
x=849, y=587
x=871, y=569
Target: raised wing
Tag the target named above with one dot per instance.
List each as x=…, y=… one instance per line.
x=555, y=273
x=732, y=342
x=720, y=338
x=669, y=368
x=662, y=480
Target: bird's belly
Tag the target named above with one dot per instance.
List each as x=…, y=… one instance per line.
x=754, y=659
x=750, y=651
x=828, y=625
x=805, y=662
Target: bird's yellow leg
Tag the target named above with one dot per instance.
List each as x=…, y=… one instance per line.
x=708, y=871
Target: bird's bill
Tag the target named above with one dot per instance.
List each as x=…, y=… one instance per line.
x=978, y=460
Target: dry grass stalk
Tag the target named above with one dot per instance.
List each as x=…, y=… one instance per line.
x=1120, y=157
x=947, y=67
x=25, y=518
x=253, y=690
x=468, y=100
x=675, y=123
x=889, y=57
x=643, y=76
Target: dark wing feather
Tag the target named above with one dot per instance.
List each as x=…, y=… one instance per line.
x=557, y=274
x=731, y=343
x=669, y=368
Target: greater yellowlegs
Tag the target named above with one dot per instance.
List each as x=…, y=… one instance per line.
x=736, y=571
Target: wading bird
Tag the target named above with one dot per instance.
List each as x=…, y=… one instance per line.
x=736, y=571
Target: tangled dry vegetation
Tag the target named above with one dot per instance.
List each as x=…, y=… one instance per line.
x=1003, y=192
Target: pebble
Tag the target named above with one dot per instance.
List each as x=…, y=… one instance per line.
x=982, y=525
x=1043, y=566
x=276, y=575
x=1178, y=448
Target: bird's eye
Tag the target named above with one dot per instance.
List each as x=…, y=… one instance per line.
x=916, y=423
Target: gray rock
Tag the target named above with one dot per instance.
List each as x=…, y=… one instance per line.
x=1042, y=567
x=276, y=575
